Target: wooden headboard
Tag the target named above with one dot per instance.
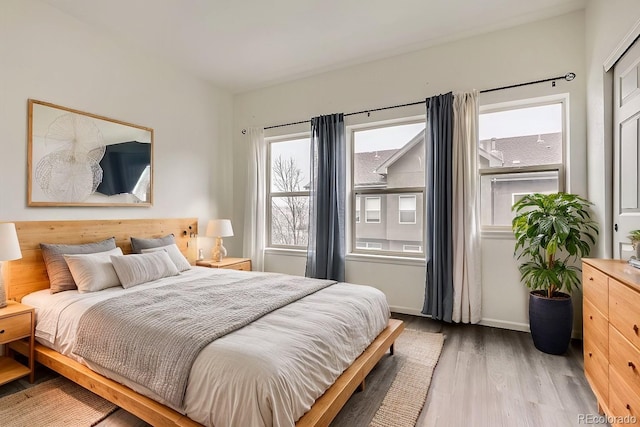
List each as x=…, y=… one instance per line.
x=29, y=274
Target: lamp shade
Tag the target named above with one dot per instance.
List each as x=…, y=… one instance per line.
x=9, y=245
x=219, y=228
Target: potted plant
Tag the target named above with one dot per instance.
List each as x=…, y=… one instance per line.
x=551, y=231
x=634, y=236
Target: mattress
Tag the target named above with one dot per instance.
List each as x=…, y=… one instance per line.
x=267, y=373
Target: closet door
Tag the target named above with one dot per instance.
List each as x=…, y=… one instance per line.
x=626, y=152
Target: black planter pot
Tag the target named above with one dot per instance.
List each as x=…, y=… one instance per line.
x=551, y=321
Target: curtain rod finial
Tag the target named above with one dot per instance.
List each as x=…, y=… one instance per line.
x=570, y=76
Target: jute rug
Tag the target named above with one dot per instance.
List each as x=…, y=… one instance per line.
x=396, y=389
x=57, y=402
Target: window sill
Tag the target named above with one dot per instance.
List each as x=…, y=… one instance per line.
x=386, y=259
x=286, y=252
x=366, y=258
x=497, y=233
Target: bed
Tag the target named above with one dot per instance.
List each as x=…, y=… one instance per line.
x=28, y=275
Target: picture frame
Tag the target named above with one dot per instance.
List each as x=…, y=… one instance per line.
x=77, y=158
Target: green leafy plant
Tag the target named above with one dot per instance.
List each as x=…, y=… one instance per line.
x=634, y=236
x=550, y=231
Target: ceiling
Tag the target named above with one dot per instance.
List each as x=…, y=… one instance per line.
x=248, y=44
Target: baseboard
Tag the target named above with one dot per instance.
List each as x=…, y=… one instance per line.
x=505, y=324
x=407, y=310
x=492, y=323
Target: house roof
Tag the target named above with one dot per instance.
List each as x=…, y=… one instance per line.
x=382, y=169
x=370, y=168
x=526, y=150
x=365, y=167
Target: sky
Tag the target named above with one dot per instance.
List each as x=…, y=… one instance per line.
x=520, y=122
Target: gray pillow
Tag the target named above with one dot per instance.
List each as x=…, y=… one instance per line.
x=174, y=253
x=138, y=244
x=60, y=277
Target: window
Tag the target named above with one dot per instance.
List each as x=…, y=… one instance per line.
x=520, y=151
x=369, y=245
x=372, y=209
x=407, y=209
x=289, y=163
x=388, y=173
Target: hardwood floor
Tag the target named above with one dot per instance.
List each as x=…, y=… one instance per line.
x=495, y=377
x=485, y=377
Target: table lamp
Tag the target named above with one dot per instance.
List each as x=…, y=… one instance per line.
x=219, y=228
x=9, y=250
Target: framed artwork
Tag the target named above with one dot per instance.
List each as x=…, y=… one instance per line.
x=82, y=159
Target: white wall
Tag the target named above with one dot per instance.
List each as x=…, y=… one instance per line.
x=50, y=56
x=529, y=52
x=606, y=24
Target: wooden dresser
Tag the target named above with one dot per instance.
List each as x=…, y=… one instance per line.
x=611, y=322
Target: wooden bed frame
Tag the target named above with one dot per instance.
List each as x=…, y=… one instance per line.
x=29, y=275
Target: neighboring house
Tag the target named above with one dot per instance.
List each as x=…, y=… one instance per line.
x=500, y=191
x=394, y=222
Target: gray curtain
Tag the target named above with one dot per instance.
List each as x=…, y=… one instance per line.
x=326, y=249
x=438, y=301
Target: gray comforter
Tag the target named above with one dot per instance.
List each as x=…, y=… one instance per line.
x=153, y=336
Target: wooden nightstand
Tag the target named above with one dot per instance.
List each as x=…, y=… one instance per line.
x=17, y=321
x=243, y=264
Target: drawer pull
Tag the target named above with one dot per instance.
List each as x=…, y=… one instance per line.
x=591, y=278
x=1, y=331
x=631, y=365
x=590, y=354
x=590, y=317
x=628, y=406
x=635, y=328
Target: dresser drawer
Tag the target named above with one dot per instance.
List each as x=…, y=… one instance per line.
x=15, y=327
x=596, y=368
x=595, y=288
x=625, y=359
x=244, y=266
x=595, y=326
x=623, y=402
x=623, y=311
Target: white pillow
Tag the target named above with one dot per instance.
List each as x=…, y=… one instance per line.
x=141, y=268
x=93, y=272
x=174, y=253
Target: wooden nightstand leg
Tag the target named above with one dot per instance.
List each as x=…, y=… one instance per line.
x=32, y=352
x=392, y=349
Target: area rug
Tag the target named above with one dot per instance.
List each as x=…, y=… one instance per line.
x=405, y=399
x=57, y=402
x=396, y=389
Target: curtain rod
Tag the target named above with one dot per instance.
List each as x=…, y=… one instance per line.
x=568, y=77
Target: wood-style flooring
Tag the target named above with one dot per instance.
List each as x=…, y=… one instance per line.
x=486, y=377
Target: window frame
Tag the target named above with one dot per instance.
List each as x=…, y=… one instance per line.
x=559, y=168
x=414, y=210
x=357, y=210
x=355, y=192
x=269, y=194
x=371, y=246
x=366, y=211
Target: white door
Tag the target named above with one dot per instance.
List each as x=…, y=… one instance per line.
x=626, y=151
